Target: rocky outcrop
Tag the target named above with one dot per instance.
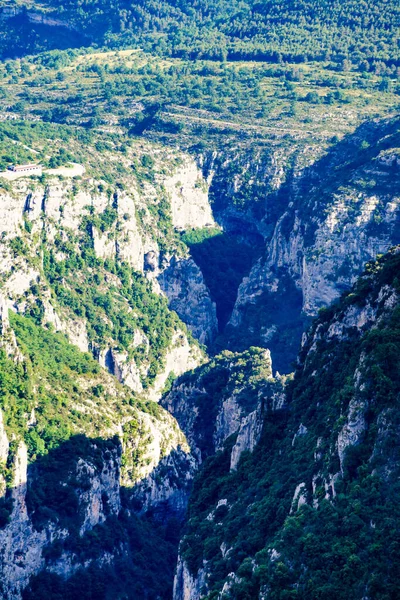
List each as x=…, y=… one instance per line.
x=102, y=498
x=183, y=284
x=94, y=480
x=209, y=413
x=77, y=211
x=248, y=435
x=165, y=491
x=187, y=587
x=4, y=448
x=23, y=543
x=188, y=192
x=21, y=546
x=118, y=458
x=7, y=335
x=180, y=358
x=335, y=435
x=223, y=410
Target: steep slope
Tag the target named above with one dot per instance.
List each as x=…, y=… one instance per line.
x=76, y=446
x=314, y=510
x=94, y=476
x=336, y=215
x=220, y=398
x=83, y=248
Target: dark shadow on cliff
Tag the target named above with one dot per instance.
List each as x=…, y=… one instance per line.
x=21, y=38
x=224, y=259
x=127, y=556
x=283, y=311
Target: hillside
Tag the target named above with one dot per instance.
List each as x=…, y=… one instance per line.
x=252, y=29
x=313, y=510
x=335, y=215
x=72, y=440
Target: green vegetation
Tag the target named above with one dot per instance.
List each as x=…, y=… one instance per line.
x=17, y=139
x=45, y=398
x=344, y=32
x=243, y=375
x=341, y=541
x=113, y=308
x=239, y=85
x=59, y=400
x=358, y=167
x=59, y=382
x=171, y=99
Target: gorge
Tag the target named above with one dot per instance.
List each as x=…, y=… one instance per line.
x=199, y=301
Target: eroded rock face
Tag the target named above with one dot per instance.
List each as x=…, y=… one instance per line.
x=188, y=192
x=4, y=443
x=248, y=435
x=165, y=491
x=209, y=414
x=187, y=587
x=65, y=210
x=321, y=240
x=21, y=545
x=95, y=481
x=184, y=285
x=102, y=498
x=7, y=335
x=22, y=542
x=338, y=431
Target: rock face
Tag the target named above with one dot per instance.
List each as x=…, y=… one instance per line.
x=114, y=459
x=21, y=545
x=7, y=336
x=22, y=542
x=58, y=219
x=226, y=396
x=187, y=587
x=165, y=491
x=91, y=476
x=248, y=435
x=183, y=284
x=335, y=215
x=212, y=404
x=188, y=192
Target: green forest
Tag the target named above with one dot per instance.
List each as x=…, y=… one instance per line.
x=295, y=31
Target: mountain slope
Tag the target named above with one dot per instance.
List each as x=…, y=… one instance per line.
x=75, y=444
x=251, y=29
x=314, y=510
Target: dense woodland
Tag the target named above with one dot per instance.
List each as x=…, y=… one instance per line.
x=259, y=30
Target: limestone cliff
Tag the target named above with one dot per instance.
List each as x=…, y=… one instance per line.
x=336, y=215
x=189, y=297
x=49, y=229
x=188, y=192
x=76, y=449
x=226, y=396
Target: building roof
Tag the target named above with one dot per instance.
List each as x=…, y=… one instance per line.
x=24, y=167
